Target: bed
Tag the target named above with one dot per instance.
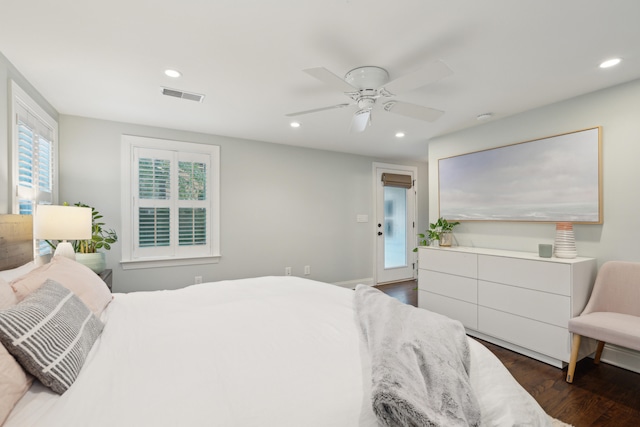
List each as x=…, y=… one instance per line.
x=267, y=351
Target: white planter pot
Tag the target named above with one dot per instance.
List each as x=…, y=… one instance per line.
x=446, y=238
x=96, y=261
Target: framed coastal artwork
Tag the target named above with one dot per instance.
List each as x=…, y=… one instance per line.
x=552, y=179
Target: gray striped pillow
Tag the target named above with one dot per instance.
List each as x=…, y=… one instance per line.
x=50, y=333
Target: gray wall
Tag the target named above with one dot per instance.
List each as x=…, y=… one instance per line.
x=617, y=110
x=7, y=73
x=280, y=205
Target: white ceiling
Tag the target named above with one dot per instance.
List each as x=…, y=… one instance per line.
x=105, y=59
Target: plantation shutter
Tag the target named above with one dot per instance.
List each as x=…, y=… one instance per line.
x=192, y=195
x=154, y=190
x=171, y=207
x=34, y=151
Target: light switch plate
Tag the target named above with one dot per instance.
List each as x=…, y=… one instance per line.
x=362, y=218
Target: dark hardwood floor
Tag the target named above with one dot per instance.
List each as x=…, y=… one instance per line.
x=601, y=395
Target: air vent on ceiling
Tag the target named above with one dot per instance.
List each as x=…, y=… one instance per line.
x=181, y=94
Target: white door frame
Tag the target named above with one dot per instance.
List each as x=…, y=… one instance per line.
x=413, y=239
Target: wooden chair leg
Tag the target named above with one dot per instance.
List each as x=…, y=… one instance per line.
x=596, y=359
x=574, y=357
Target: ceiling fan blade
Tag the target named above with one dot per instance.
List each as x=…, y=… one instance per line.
x=315, y=110
x=423, y=76
x=331, y=79
x=361, y=119
x=412, y=110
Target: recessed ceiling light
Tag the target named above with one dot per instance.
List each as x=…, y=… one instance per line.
x=400, y=135
x=172, y=73
x=484, y=117
x=294, y=124
x=610, y=63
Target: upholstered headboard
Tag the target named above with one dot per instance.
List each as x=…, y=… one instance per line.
x=16, y=240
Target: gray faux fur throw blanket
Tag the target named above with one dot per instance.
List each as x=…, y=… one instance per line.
x=419, y=363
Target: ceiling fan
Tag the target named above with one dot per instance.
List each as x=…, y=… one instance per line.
x=364, y=85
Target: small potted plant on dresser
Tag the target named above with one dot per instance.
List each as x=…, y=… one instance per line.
x=446, y=231
x=101, y=238
x=440, y=233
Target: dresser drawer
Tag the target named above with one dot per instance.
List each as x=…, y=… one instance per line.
x=537, y=275
x=458, y=287
x=463, y=311
x=541, y=337
x=448, y=261
x=540, y=306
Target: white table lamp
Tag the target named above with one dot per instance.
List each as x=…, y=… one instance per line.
x=52, y=222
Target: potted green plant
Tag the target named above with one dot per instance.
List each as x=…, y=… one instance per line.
x=438, y=234
x=101, y=238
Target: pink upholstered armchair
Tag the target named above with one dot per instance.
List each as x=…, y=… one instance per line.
x=612, y=314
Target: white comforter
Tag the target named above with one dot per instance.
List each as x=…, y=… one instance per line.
x=271, y=351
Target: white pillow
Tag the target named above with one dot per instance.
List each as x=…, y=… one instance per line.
x=14, y=273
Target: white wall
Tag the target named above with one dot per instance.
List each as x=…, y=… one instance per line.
x=280, y=205
x=617, y=110
x=7, y=73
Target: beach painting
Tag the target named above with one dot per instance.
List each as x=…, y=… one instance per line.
x=546, y=180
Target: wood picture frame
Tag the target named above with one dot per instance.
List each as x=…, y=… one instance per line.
x=552, y=179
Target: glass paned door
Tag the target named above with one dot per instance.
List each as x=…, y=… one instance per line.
x=395, y=235
x=395, y=227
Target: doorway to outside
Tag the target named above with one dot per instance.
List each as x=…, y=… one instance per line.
x=395, y=237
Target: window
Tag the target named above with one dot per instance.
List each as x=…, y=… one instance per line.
x=170, y=203
x=34, y=157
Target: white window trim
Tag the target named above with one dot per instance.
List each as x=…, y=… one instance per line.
x=18, y=95
x=129, y=142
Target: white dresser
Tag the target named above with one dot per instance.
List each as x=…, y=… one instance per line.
x=514, y=299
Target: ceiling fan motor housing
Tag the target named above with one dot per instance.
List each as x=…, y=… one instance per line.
x=368, y=77
x=366, y=102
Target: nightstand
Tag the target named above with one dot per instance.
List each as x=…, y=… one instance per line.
x=107, y=277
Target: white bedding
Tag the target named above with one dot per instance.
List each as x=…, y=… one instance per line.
x=270, y=351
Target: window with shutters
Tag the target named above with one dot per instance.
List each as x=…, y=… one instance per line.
x=34, y=157
x=170, y=202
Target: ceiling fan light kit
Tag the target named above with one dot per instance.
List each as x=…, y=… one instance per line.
x=368, y=77
x=361, y=119
x=364, y=85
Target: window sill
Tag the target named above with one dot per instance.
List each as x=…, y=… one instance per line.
x=167, y=262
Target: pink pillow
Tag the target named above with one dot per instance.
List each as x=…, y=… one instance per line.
x=79, y=279
x=7, y=296
x=14, y=382
x=14, y=273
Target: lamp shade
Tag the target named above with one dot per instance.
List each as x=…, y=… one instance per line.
x=62, y=223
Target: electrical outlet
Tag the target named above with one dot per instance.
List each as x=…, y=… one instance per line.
x=307, y=270
x=198, y=279
x=287, y=271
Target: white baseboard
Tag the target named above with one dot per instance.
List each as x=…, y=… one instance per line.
x=351, y=284
x=621, y=357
